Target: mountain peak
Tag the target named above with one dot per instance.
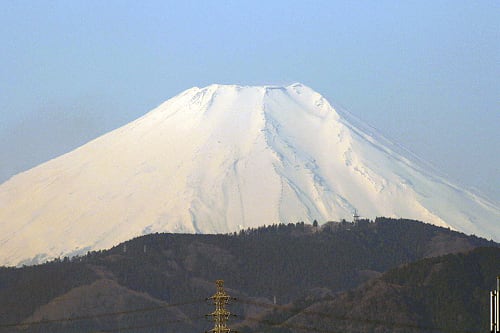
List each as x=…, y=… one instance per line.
x=219, y=159
x=216, y=86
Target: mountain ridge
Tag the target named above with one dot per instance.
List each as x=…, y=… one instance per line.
x=219, y=159
x=295, y=264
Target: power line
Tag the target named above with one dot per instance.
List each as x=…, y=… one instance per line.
x=158, y=324
x=315, y=329
x=339, y=318
x=284, y=325
x=255, y=319
x=64, y=299
x=99, y=315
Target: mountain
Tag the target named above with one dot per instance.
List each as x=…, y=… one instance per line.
x=157, y=281
x=444, y=294
x=220, y=159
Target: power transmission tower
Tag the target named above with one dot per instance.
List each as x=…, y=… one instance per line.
x=495, y=308
x=355, y=216
x=220, y=316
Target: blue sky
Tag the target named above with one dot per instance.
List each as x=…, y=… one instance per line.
x=425, y=73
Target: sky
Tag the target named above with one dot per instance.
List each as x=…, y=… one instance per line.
x=424, y=73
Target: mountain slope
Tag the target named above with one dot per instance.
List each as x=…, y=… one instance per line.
x=159, y=278
x=443, y=294
x=220, y=159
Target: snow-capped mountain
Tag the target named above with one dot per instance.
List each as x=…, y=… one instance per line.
x=219, y=159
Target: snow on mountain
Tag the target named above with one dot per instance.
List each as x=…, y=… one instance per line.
x=219, y=159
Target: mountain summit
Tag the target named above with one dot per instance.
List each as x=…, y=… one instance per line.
x=219, y=159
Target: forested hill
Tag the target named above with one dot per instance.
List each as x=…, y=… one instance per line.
x=443, y=294
x=160, y=281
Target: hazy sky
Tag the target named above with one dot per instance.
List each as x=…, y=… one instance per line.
x=424, y=73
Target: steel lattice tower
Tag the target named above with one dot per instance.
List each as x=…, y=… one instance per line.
x=220, y=316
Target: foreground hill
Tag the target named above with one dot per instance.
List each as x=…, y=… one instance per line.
x=160, y=281
x=444, y=294
x=190, y=165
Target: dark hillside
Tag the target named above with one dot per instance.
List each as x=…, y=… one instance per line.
x=161, y=280
x=444, y=294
